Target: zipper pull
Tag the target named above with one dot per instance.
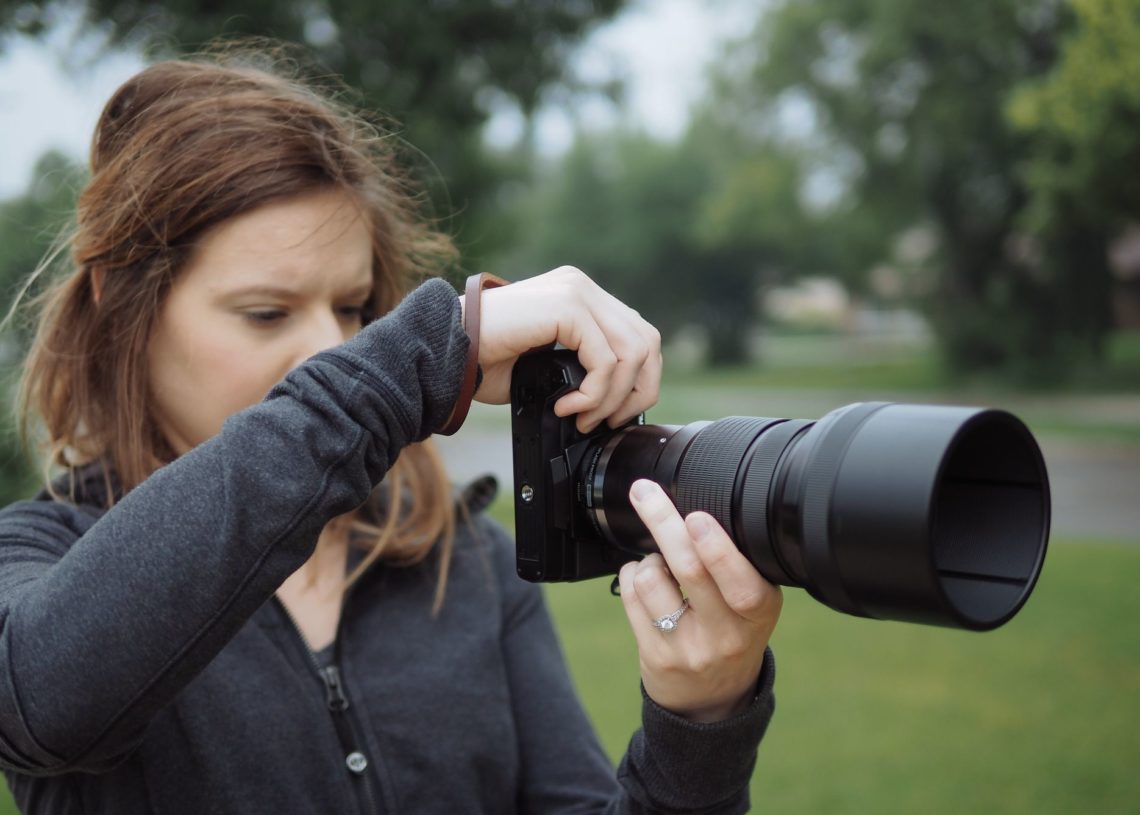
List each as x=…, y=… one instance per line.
x=356, y=761
x=336, y=699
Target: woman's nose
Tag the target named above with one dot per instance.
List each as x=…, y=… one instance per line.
x=322, y=331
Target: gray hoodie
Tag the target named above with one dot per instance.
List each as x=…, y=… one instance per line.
x=146, y=666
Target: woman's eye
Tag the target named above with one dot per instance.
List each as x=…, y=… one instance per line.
x=353, y=312
x=265, y=317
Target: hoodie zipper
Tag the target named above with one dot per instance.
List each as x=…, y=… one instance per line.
x=337, y=702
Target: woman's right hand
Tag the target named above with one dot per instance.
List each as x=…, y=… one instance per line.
x=620, y=351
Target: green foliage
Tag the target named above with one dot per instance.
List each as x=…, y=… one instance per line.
x=1081, y=170
x=966, y=120
x=620, y=208
x=29, y=225
x=437, y=67
x=18, y=476
x=988, y=128
x=1083, y=115
x=686, y=232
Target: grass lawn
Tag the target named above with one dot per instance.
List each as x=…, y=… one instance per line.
x=804, y=377
x=1041, y=716
x=839, y=362
x=1038, y=717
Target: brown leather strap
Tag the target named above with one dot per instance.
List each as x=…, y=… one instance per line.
x=471, y=315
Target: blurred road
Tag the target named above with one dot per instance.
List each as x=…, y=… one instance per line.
x=1095, y=487
x=1095, y=484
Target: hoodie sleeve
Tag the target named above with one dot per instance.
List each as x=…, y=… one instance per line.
x=671, y=765
x=103, y=621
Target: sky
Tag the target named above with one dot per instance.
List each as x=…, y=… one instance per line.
x=50, y=98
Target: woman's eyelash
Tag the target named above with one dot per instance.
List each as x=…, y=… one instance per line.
x=268, y=316
x=264, y=317
x=363, y=312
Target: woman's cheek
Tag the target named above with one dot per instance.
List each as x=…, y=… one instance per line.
x=240, y=380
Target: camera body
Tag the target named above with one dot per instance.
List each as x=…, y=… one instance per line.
x=557, y=538
x=935, y=514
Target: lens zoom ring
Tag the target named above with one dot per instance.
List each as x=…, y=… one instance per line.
x=756, y=490
x=707, y=473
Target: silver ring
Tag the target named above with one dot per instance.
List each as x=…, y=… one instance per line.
x=669, y=621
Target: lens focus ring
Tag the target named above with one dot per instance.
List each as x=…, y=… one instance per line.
x=707, y=474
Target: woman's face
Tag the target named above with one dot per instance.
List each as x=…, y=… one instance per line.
x=261, y=293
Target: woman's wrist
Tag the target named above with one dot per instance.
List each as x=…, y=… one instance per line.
x=722, y=711
x=470, y=312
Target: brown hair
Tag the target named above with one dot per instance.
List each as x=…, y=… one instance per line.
x=181, y=147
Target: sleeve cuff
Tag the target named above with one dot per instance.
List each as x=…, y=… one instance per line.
x=685, y=765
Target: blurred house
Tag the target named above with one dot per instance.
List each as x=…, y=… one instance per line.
x=818, y=321
x=812, y=302
x=824, y=304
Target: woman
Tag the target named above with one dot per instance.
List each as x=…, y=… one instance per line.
x=253, y=589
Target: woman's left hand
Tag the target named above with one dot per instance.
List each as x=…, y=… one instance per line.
x=707, y=666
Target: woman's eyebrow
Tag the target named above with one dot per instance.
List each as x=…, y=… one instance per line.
x=270, y=290
x=363, y=290
x=260, y=290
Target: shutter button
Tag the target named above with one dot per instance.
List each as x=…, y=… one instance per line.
x=356, y=762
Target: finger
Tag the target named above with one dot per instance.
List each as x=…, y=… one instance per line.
x=638, y=347
x=639, y=619
x=646, y=390
x=743, y=589
x=600, y=362
x=656, y=588
x=672, y=535
x=637, y=380
x=613, y=344
x=622, y=382
x=621, y=353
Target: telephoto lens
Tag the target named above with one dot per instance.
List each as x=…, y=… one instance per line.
x=928, y=514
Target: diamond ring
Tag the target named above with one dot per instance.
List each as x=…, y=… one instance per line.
x=669, y=621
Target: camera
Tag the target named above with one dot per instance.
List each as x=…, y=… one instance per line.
x=931, y=514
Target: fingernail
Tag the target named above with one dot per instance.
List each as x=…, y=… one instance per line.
x=699, y=525
x=643, y=489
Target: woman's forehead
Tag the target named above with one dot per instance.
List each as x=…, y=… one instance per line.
x=298, y=242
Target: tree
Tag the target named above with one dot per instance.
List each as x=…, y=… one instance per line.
x=688, y=233
x=28, y=226
x=751, y=228
x=1081, y=171
x=436, y=67
x=620, y=206
x=911, y=103
x=1085, y=113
